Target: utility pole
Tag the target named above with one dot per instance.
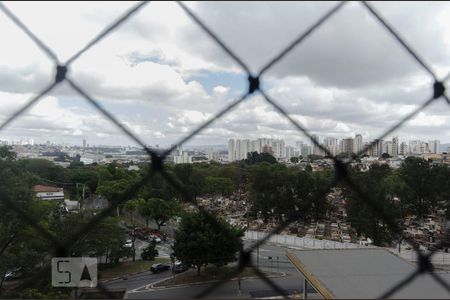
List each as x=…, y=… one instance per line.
x=84, y=191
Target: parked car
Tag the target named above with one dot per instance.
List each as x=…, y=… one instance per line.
x=155, y=238
x=13, y=274
x=128, y=244
x=179, y=267
x=156, y=268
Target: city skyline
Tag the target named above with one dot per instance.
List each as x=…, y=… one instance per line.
x=87, y=143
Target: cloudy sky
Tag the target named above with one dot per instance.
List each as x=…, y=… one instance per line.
x=162, y=76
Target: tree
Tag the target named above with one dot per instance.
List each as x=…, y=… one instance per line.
x=219, y=185
x=368, y=211
x=157, y=209
x=385, y=155
x=105, y=241
x=271, y=189
x=255, y=157
x=149, y=253
x=308, y=168
x=313, y=157
x=7, y=153
x=416, y=173
x=203, y=239
x=294, y=160
x=76, y=162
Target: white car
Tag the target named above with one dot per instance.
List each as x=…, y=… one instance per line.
x=156, y=239
x=128, y=244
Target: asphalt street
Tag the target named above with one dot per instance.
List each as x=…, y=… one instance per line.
x=271, y=258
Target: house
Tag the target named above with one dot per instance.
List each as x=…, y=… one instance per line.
x=44, y=192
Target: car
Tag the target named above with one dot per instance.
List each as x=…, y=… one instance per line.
x=157, y=268
x=13, y=274
x=128, y=244
x=179, y=267
x=157, y=239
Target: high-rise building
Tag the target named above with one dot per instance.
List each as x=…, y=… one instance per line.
x=357, y=143
x=305, y=151
x=315, y=148
x=387, y=148
x=376, y=149
x=347, y=145
x=184, y=158
x=238, y=149
x=418, y=147
x=403, y=149
x=231, y=150
x=290, y=152
x=434, y=146
x=395, y=146
x=84, y=143
x=331, y=145
x=267, y=149
x=213, y=155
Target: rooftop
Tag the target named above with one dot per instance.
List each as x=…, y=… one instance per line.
x=364, y=273
x=46, y=189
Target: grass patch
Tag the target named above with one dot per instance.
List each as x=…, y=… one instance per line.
x=208, y=274
x=129, y=267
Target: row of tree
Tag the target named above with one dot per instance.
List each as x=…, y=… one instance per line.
x=28, y=228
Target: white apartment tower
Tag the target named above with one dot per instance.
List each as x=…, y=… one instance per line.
x=434, y=146
x=238, y=149
x=347, y=145
x=404, y=149
x=357, y=143
x=231, y=150
x=315, y=149
x=395, y=146
x=418, y=147
x=331, y=145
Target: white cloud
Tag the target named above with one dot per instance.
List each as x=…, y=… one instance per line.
x=350, y=76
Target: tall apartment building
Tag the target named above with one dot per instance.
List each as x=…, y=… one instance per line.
x=213, y=155
x=238, y=149
x=357, y=143
x=231, y=150
x=395, y=146
x=184, y=158
x=278, y=148
x=347, y=145
x=434, y=146
x=404, y=149
x=290, y=152
x=305, y=151
x=315, y=149
x=418, y=147
x=331, y=145
x=376, y=149
x=387, y=148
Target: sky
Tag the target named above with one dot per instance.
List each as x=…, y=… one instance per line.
x=162, y=76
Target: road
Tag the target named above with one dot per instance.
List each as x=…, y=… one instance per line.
x=139, y=286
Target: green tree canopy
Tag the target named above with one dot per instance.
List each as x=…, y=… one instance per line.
x=7, y=153
x=158, y=209
x=255, y=157
x=368, y=211
x=416, y=173
x=203, y=239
